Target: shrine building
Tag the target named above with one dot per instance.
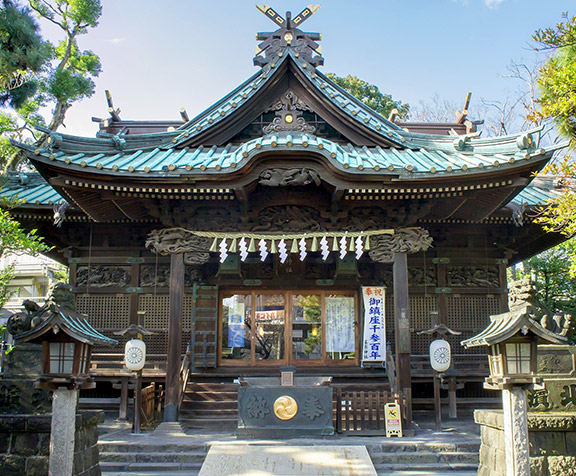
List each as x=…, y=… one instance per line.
x=246, y=237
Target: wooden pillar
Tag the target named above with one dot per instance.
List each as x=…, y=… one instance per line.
x=402, y=330
x=174, y=356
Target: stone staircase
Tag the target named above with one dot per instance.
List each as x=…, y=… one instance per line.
x=186, y=459
x=424, y=458
x=168, y=453
x=210, y=405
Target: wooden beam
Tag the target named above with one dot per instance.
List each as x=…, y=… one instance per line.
x=402, y=330
x=174, y=352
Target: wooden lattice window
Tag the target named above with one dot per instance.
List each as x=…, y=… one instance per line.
x=469, y=315
x=107, y=314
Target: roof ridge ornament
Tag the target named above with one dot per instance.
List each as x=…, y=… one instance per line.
x=288, y=37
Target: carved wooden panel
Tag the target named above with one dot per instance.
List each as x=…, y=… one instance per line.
x=102, y=276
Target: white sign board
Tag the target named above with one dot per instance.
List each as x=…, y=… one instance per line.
x=374, y=341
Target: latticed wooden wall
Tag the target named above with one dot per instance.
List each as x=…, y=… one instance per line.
x=110, y=313
x=464, y=294
x=468, y=314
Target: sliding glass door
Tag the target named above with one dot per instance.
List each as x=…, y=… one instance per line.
x=280, y=327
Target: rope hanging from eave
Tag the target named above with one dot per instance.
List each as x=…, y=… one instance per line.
x=290, y=243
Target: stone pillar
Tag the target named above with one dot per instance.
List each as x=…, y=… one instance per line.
x=516, y=431
x=402, y=329
x=63, y=430
x=176, y=290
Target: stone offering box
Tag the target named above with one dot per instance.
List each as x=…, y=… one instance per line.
x=266, y=409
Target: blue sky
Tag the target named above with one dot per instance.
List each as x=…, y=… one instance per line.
x=158, y=56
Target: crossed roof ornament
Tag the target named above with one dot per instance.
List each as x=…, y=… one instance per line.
x=288, y=36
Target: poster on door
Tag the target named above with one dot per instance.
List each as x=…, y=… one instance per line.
x=374, y=341
x=236, y=324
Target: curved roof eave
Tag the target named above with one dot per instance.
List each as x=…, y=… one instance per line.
x=210, y=163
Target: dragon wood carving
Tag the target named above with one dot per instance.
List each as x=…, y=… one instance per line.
x=410, y=240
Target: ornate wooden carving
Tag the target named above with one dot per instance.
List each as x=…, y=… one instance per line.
x=288, y=36
x=159, y=276
x=196, y=257
x=422, y=277
x=288, y=115
x=102, y=276
x=282, y=177
x=473, y=276
x=288, y=218
x=174, y=240
x=411, y=240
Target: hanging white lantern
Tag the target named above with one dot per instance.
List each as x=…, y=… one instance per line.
x=135, y=354
x=440, y=355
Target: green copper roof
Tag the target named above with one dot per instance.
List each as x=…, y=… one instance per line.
x=504, y=326
x=372, y=160
x=70, y=322
x=35, y=190
x=540, y=191
x=30, y=188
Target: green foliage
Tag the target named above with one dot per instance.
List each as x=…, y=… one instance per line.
x=6, y=275
x=557, y=78
x=14, y=239
x=22, y=53
x=370, y=95
x=63, y=72
x=554, y=273
x=558, y=216
x=71, y=76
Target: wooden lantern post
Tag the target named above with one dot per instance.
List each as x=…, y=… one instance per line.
x=440, y=359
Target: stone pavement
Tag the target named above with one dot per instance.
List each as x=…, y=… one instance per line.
x=169, y=450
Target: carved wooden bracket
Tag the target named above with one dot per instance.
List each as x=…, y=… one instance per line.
x=175, y=240
x=410, y=240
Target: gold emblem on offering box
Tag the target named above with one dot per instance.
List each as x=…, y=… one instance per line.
x=285, y=408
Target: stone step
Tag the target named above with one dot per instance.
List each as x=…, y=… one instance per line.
x=104, y=447
x=150, y=468
x=186, y=472
x=425, y=468
x=399, y=446
x=152, y=457
x=188, y=412
x=418, y=457
x=212, y=424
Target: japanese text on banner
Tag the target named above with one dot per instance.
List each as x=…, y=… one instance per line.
x=374, y=342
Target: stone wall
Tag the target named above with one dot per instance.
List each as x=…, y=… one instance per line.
x=25, y=444
x=552, y=443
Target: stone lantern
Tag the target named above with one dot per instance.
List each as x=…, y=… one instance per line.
x=66, y=338
x=512, y=338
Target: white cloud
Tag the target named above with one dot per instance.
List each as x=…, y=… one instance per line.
x=116, y=41
x=492, y=3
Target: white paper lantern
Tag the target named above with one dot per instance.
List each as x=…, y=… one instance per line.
x=440, y=355
x=135, y=354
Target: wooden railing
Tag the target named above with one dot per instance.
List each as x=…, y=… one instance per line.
x=362, y=413
x=184, y=375
x=147, y=409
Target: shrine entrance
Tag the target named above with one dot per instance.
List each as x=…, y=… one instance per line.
x=298, y=327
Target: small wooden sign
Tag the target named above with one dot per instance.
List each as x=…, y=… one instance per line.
x=287, y=379
x=393, y=420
